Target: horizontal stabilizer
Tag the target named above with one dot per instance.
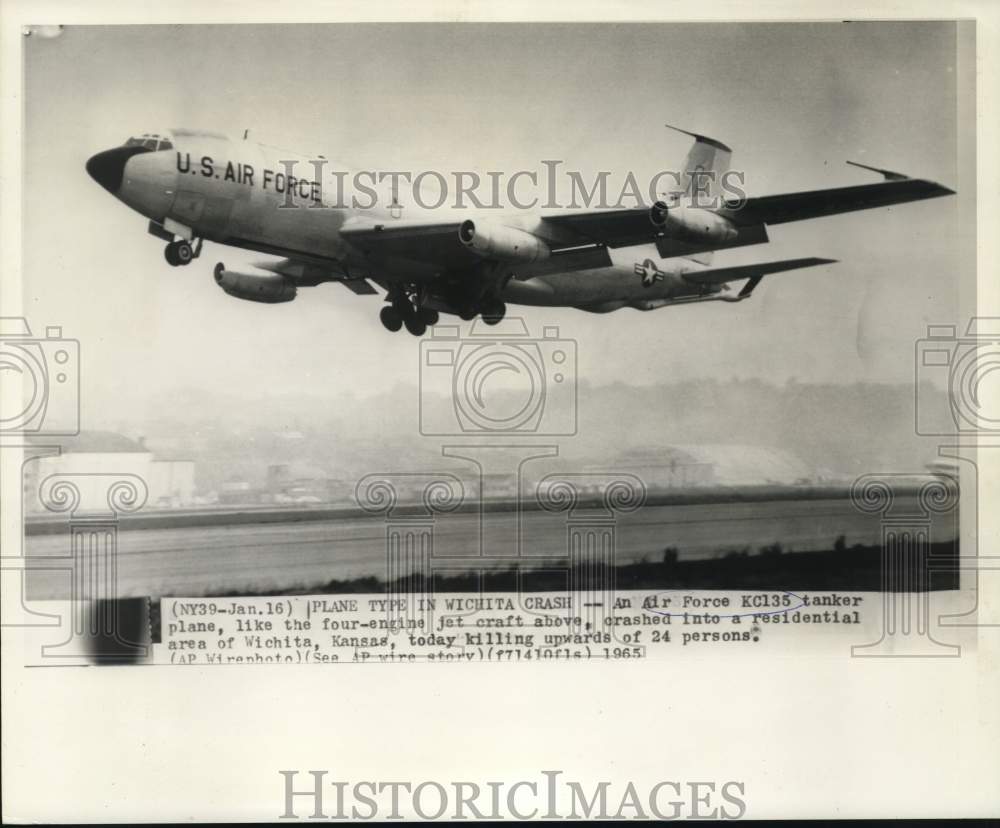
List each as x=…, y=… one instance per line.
x=754, y=272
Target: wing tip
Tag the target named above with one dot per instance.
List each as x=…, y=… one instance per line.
x=889, y=175
x=933, y=188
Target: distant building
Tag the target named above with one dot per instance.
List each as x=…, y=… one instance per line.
x=169, y=482
x=692, y=466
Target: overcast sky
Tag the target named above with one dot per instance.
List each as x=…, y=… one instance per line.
x=793, y=100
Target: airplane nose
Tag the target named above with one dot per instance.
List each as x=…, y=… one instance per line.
x=108, y=168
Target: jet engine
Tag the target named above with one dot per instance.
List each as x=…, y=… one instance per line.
x=501, y=241
x=255, y=287
x=691, y=223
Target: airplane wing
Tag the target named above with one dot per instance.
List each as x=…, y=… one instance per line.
x=438, y=241
x=778, y=209
x=587, y=234
x=578, y=241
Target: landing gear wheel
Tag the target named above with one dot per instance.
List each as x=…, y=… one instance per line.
x=183, y=252
x=391, y=320
x=178, y=253
x=467, y=314
x=415, y=325
x=494, y=314
x=428, y=316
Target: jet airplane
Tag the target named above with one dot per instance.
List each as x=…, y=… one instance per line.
x=196, y=186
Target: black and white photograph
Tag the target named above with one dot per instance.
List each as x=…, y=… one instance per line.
x=618, y=351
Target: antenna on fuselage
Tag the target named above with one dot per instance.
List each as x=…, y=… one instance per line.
x=246, y=132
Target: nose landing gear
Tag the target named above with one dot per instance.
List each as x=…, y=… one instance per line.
x=180, y=252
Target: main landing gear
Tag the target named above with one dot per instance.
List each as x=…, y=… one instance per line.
x=403, y=312
x=181, y=252
x=494, y=312
x=407, y=308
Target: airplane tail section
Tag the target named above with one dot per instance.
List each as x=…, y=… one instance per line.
x=752, y=273
x=707, y=161
x=700, y=181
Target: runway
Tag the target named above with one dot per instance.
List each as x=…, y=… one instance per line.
x=248, y=556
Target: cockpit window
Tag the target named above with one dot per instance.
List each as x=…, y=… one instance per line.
x=150, y=142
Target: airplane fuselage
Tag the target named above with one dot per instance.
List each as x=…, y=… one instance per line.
x=275, y=201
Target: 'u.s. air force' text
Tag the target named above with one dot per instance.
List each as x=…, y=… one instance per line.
x=282, y=183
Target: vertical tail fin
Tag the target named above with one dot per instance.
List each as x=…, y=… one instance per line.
x=701, y=176
x=706, y=156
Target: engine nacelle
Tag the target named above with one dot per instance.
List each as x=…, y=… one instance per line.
x=255, y=287
x=691, y=223
x=501, y=241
